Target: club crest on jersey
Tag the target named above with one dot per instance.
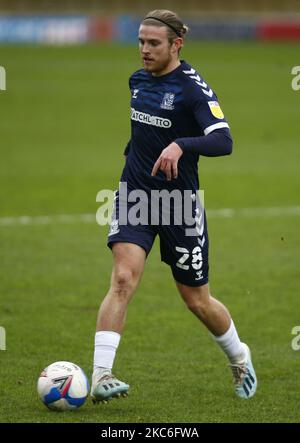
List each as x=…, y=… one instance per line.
x=215, y=109
x=168, y=101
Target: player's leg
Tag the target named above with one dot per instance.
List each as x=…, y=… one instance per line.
x=188, y=257
x=130, y=244
x=215, y=316
x=128, y=266
x=129, y=260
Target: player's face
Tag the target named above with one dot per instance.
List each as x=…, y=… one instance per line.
x=158, y=55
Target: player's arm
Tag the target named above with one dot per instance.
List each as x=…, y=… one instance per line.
x=214, y=134
x=216, y=143
x=209, y=118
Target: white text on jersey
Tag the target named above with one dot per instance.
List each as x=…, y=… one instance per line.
x=153, y=120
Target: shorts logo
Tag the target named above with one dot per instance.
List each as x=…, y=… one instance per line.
x=199, y=275
x=114, y=228
x=168, y=101
x=148, y=119
x=215, y=110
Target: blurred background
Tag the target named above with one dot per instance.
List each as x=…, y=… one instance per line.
x=79, y=21
x=64, y=123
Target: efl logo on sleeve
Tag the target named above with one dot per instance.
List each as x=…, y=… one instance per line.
x=215, y=110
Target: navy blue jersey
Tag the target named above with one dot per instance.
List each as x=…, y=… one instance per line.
x=165, y=108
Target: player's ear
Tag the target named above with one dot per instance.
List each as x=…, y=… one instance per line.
x=177, y=44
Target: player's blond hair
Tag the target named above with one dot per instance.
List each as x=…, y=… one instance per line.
x=162, y=17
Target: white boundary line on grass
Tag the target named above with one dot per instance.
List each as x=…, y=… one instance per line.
x=25, y=220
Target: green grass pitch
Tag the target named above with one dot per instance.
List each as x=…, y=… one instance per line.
x=64, y=121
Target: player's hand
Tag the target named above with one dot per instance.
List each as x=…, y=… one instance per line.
x=168, y=161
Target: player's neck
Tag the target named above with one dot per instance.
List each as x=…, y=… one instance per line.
x=171, y=67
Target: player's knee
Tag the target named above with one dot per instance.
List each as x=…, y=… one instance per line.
x=197, y=306
x=123, y=284
x=198, y=302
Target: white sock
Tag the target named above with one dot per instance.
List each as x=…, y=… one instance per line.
x=231, y=345
x=106, y=345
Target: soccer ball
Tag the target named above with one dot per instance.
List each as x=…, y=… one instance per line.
x=63, y=386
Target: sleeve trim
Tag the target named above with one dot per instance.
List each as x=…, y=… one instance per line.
x=211, y=128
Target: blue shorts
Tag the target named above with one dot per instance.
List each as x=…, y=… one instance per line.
x=187, y=255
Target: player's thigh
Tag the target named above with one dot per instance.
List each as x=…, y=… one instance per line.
x=129, y=262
